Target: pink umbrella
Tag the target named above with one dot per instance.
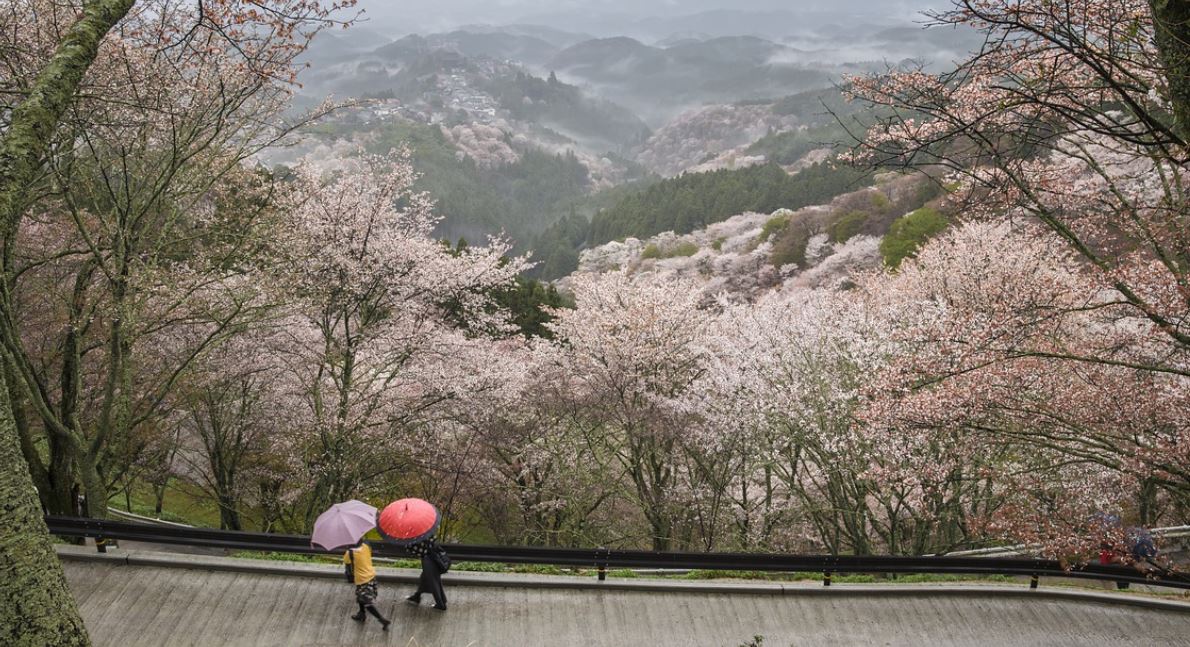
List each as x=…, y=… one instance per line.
x=343, y=525
x=408, y=521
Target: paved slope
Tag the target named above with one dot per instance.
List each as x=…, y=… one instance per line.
x=131, y=599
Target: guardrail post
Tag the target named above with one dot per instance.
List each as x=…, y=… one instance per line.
x=601, y=555
x=826, y=578
x=1033, y=581
x=101, y=544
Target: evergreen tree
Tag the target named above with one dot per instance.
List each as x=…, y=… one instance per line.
x=695, y=200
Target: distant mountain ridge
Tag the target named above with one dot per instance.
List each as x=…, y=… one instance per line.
x=496, y=45
x=715, y=21
x=660, y=82
x=688, y=66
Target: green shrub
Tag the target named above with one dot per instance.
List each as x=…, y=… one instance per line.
x=718, y=244
x=286, y=557
x=908, y=233
x=847, y=226
x=685, y=248
x=774, y=225
x=928, y=190
x=715, y=574
x=790, y=246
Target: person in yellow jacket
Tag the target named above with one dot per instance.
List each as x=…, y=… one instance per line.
x=361, y=573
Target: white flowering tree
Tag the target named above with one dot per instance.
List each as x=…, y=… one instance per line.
x=996, y=321
x=374, y=338
x=55, y=63
x=1072, y=116
x=630, y=350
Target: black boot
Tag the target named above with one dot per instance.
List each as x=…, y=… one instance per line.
x=414, y=599
x=376, y=612
x=359, y=617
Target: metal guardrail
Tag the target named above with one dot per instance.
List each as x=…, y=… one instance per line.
x=1171, y=532
x=603, y=559
x=132, y=516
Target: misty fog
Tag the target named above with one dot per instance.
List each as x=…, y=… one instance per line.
x=560, y=109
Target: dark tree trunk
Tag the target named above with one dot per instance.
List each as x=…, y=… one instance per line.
x=1171, y=19
x=36, y=607
x=229, y=515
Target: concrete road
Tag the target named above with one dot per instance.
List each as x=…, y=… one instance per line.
x=131, y=598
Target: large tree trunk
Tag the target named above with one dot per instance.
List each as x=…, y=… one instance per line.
x=33, y=121
x=36, y=607
x=1171, y=19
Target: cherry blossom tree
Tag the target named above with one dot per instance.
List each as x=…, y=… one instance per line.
x=231, y=421
x=631, y=349
x=161, y=119
x=998, y=320
x=37, y=96
x=1071, y=116
x=106, y=330
x=1063, y=116
x=538, y=483
x=373, y=342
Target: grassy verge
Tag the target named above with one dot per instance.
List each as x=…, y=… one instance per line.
x=178, y=506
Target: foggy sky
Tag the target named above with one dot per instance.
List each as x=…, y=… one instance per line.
x=595, y=16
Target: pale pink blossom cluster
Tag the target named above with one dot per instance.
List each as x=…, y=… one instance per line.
x=487, y=145
x=384, y=324
x=1069, y=340
x=992, y=389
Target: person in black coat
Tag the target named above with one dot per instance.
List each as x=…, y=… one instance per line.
x=434, y=562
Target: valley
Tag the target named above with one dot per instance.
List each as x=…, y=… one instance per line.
x=546, y=136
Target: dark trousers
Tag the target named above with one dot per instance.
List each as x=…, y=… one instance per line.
x=365, y=597
x=431, y=581
x=370, y=608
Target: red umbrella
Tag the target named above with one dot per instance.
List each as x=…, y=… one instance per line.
x=408, y=521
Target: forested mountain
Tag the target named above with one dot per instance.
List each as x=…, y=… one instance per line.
x=593, y=123
x=744, y=133
x=474, y=200
x=534, y=132
x=655, y=78
x=682, y=205
x=463, y=77
x=693, y=201
x=499, y=45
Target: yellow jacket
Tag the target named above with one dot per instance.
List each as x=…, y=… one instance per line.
x=361, y=563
